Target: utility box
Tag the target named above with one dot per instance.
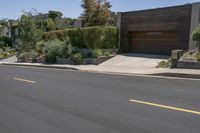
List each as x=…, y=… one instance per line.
x=176, y=55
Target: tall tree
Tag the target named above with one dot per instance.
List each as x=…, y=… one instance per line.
x=55, y=15
x=96, y=12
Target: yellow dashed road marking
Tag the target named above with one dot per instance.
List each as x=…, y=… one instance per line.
x=24, y=80
x=164, y=106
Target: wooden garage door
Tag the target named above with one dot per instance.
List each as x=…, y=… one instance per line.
x=159, y=42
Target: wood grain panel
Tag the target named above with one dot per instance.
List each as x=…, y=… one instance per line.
x=156, y=42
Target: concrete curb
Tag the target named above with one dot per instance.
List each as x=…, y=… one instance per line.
x=179, y=75
x=41, y=66
x=167, y=75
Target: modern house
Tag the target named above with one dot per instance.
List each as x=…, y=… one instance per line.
x=158, y=31
x=4, y=31
x=11, y=30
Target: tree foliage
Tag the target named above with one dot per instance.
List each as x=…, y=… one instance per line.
x=54, y=15
x=29, y=31
x=50, y=25
x=96, y=12
x=4, y=22
x=196, y=35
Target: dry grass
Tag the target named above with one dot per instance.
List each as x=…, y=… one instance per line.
x=164, y=64
x=193, y=56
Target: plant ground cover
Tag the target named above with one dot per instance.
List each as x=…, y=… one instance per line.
x=75, y=44
x=164, y=64
x=6, y=51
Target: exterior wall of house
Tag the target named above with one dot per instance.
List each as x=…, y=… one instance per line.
x=5, y=32
x=12, y=31
x=176, y=19
x=119, y=25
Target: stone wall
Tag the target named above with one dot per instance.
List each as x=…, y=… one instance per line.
x=188, y=65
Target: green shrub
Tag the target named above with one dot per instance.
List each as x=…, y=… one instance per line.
x=65, y=50
x=93, y=37
x=40, y=47
x=89, y=37
x=2, y=44
x=164, y=64
x=52, y=49
x=7, y=40
x=196, y=35
x=96, y=53
x=5, y=54
x=35, y=55
x=198, y=57
x=12, y=51
x=58, y=34
x=21, y=57
x=111, y=38
x=77, y=58
x=1, y=56
x=76, y=38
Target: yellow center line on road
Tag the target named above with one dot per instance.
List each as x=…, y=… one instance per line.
x=24, y=80
x=164, y=106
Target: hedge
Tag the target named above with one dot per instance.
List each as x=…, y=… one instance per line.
x=90, y=37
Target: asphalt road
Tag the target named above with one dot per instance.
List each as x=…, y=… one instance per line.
x=34, y=100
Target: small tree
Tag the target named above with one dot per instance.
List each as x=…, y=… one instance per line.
x=196, y=36
x=29, y=32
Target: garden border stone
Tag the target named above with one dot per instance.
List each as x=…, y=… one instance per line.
x=63, y=61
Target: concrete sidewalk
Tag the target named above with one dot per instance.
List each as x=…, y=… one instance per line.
x=184, y=73
x=125, y=66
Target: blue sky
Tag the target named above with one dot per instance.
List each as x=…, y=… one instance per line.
x=12, y=9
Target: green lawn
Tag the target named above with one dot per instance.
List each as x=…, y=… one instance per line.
x=1, y=56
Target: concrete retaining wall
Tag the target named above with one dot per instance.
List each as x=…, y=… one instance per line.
x=188, y=65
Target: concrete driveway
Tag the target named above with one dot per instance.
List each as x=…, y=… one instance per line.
x=133, y=60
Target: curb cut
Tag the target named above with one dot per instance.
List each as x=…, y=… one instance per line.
x=41, y=66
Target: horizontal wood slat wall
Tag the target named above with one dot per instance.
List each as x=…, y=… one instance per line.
x=158, y=42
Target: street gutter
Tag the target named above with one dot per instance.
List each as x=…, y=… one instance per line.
x=161, y=75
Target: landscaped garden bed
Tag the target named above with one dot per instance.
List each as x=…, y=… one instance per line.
x=190, y=60
x=6, y=52
x=92, y=45
x=6, y=49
